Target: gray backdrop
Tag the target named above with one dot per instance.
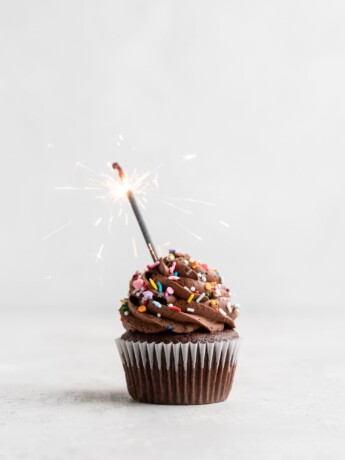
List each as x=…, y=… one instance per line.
x=238, y=103
x=237, y=109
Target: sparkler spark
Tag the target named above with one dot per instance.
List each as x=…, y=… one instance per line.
x=99, y=253
x=57, y=230
x=98, y=221
x=189, y=157
x=206, y=203
x=135, y=252
x=189, y=231
x=177, y=207
x=224, y=223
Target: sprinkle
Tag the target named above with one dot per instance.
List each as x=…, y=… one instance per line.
x=192, y=288
x=169, y=290
x=169, y=328
x=194, y=266
x=153, y=284
x=172, y=268
x=219, y=285
x=217, y=293
x=237, y=305
x=173, y=308
x=201, y=296
x=191, y=310
x=174, y=278
x=172, y=251
x=125, y=308
x=160, y=286
x=141, y=309
x=147, y=295
x=227, y=290
x=170, y=304
x=222, y=279
x=185, y=262
x=171, y=256
x=208, y=286
x=203, y=278
x=191, y=260
x=157, y=304
x=204, y=266
x=176, y=274
x=155, y=264
x=190, y=298
x=159, y=315
x=138, y=284
x=213, y=303
x=121, y=319
x=222, y=311
x=126, y=313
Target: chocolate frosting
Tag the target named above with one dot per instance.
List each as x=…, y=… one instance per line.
x=177, y=294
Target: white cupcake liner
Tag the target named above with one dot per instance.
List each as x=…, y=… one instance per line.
x=179, y=373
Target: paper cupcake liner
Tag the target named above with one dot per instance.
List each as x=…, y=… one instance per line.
x=179, y=373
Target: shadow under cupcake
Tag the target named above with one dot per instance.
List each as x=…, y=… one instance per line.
x=181, y=345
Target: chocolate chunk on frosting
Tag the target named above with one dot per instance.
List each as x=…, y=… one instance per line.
x=177, y=294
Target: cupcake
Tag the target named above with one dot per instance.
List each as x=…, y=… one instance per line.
x=180, y=344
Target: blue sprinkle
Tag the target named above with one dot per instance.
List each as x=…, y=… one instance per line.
x=157, y=304
x=218, y=273
x=160, y=287
x=173, y=251
x=176, y=274
x=169, y=328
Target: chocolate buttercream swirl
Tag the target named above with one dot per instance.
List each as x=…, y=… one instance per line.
x=177, y=294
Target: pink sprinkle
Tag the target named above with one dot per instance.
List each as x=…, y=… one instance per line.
x=169, y=290
x=138, y=284
x=172, y=268
x=153, y=265
x=174, y=277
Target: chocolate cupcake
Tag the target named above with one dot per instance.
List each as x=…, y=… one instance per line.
x=180, y=346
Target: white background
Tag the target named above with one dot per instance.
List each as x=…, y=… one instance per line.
x=240, y=104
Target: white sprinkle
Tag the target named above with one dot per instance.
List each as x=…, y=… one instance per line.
x=192, y=289
x=222, y=312
x=126, y=313
x=191, y=310
x=185, y=262
x=237, y=305
x=201, y=296
x=170, y=305
x=204, y=279
x=159, y=315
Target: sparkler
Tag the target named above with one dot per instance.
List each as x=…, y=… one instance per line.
x=137, y=213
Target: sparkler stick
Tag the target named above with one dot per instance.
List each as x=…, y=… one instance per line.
x=137, y=213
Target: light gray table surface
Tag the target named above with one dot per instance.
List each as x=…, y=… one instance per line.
x=63, y=393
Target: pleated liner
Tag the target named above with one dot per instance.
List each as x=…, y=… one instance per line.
x=179, y=373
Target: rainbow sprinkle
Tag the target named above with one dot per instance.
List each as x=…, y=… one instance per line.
x=156, y=304
x=190, y=298
x=201, y=296
x=153, y=284
x=160, y=286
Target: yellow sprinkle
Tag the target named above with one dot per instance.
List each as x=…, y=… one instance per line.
x=213, y=303
x=190, y=298
x=208, y=286
x=214, y=283
x=153, y=284
x=142, y=308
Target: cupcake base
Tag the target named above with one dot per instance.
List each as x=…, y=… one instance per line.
x=196, y=368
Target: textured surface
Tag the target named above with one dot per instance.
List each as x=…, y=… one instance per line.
x=63, y=394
